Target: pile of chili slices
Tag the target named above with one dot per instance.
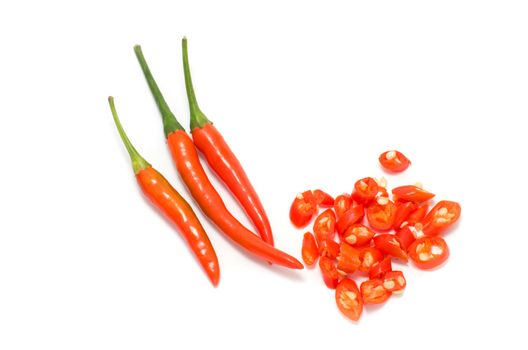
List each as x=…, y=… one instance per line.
x=359, y=234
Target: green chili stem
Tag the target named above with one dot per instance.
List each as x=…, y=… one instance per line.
x=138, y=162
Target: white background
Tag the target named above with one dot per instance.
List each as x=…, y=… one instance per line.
x=307, y=95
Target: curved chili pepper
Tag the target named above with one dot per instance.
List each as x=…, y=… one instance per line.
x=193, y=175
x=167, y=200
x=222, y=160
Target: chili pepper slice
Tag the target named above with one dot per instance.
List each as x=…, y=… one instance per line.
x=379, y=269
x=193, y=175
x=329, y=272
x=222, y=160
x=324, y=225
x=348, y=299
x=412, y=193
x=394, y=281
x=417, y=215
x=403, y=210
x=365, y=190
x=329, y=248
x=428, y=252
x=303, y=209
x=381, y=217
x=358, y=235
x=348, y=259
x=341, y=204
x=310, y=252
x=169, y=202
x=405, y=236
x=394, y=161
x=369, y=256
x=389, y=245
x=373, y=292
x=443, y=215
x=350, y=217
x=323, y=199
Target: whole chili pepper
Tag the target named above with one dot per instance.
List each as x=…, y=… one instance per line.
x=167, y=200
x=193, y=175
x=222, y=160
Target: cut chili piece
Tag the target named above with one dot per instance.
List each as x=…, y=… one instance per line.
x=329, y=272
x=365, y=190
x=403, y=210
x=394, y=161
x=323, y=199
x=394, y=281
x=348, y=299
x=341, y=204
x=310, y=252
x=417, y=215
x=389, y=245
x=412, y=194
x=373, y=292
x=379, y=269
x=303, y=209
x=428, y=252
x=329, y=248
x=405, y=236
x=324, y=225
x=369, y=256
x=381, y=217
x=358, y=235
x=350, y=217
x=348, y=260
x=443, y=215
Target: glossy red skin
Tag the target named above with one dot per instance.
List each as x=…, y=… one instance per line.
x=324, y=225
x=348, y=260
x=403, y=210
x=329, y=248
x=381, y=217
x=369, y=256
x=228, y=168
x=393, y=165
x=350, y=217
x=358, y=235
x=176, y=209
x=351, y=308
x=431, y=223
x=412, y=194
x=379, y=269
x=373, y=292
x=310, y=251
x=329, y=272
x=365, y=195
x=341, y=204
x=303, y=209
x=388, y=244
x=428, y=242
x=323, y=199
x=405, y=237
x=418, y=214
x=396, y=277
x=193, y=175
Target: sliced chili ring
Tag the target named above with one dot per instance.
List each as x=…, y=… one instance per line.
x=350, y=217
x=381, y=217
x=429, y=252
x=412, y=193
x=358, y=235
x=310, y=253
x=348, y=299
x=373, y=292
x=365, y=190
x=443, y=215
x=369, y=256
x=379, y=269
x=329, y=248
x=323, y=199
x=348, y=260
x=341, y=204
x=329, y=272
x=303, y=209
x=394, y=281
x=405, y=236
x=324, y=225
x=403, y=210
x=394, y=161
x=389, y=245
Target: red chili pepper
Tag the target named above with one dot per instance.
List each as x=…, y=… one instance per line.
x=329, y=272
x=373, y=292
x=323, y=199
x=369, y=256
x=310, y=253
x=394, y=281
x=303, y=208
x=193, y=175
x=222, y=160
x=394, y=161
x=348, y=299
x=412, y=193
x=167, y=200
x=365, y=190
x=329, y=248
x=348, y=260
x=389, y=245
x=441, y=217
x=428, y=252
x=379, y=268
